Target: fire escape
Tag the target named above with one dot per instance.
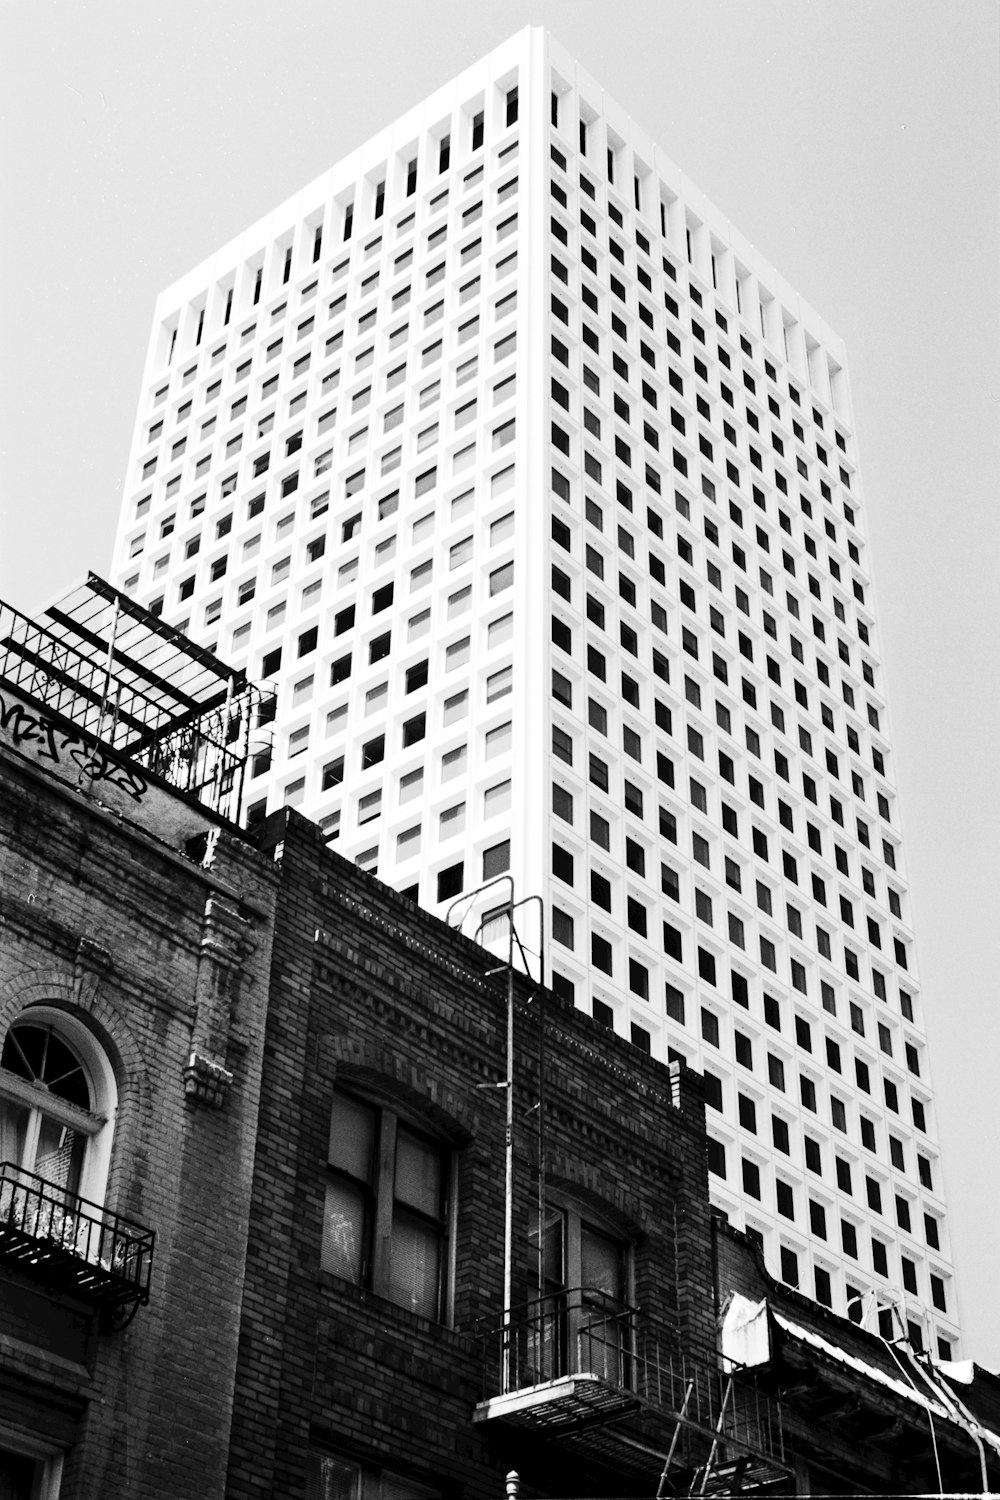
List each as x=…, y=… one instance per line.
x=604, y=1388
x=74, y=1248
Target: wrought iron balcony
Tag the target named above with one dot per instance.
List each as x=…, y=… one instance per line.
x=593, y=1378
x=72, y=1246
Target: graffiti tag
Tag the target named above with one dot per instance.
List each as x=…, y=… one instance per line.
x=56, y=742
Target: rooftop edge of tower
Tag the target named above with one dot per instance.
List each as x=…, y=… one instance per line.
x=531, y=55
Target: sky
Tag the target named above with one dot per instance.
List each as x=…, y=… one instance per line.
x=856, y=143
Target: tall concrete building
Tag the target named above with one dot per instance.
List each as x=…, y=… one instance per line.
x=532, y=492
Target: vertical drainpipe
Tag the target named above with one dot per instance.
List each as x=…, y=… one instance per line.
x=508, y=1218
x=223, y=751
x=462, y=903
x=244, y=754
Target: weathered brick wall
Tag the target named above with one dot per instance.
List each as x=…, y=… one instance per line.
x=154, y=953
x=739, y=1265
x=367, y=989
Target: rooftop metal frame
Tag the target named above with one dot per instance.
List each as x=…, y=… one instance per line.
x=128, y=682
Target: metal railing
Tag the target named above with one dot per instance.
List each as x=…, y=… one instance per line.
x=579, y=1332
x=73, y=683
x=72, y=1245
x=205, y=757
x=574, y=1332
x=106, y=721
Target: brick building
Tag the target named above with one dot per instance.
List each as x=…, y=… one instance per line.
x=384, y=1023
x=372, y=1355
x=260, y=1231
x=135, y=933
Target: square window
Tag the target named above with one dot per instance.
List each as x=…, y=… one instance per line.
x=457, y=653
x=450, y=882
x=601, y=953
x=456, y=707
x=414, y=729
x=638, y=979
x=496, y=799
x=499, y=684
x=452, y=820
x=600, y=830
x=751, y=1179
x=369, y=806
x=373, y=752
x=716, y=1157
x=410, y=785
x=498, y=740
x=674, y=1002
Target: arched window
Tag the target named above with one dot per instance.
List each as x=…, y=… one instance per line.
x=57, y=1102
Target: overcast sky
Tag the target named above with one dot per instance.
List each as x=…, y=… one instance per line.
x=854, y=142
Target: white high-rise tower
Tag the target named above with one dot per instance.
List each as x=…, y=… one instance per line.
x=532, y=491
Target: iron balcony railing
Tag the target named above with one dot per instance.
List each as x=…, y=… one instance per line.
x=205, y=758
x=580, y=1332
x=73, y=1246
x=572, y=1332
